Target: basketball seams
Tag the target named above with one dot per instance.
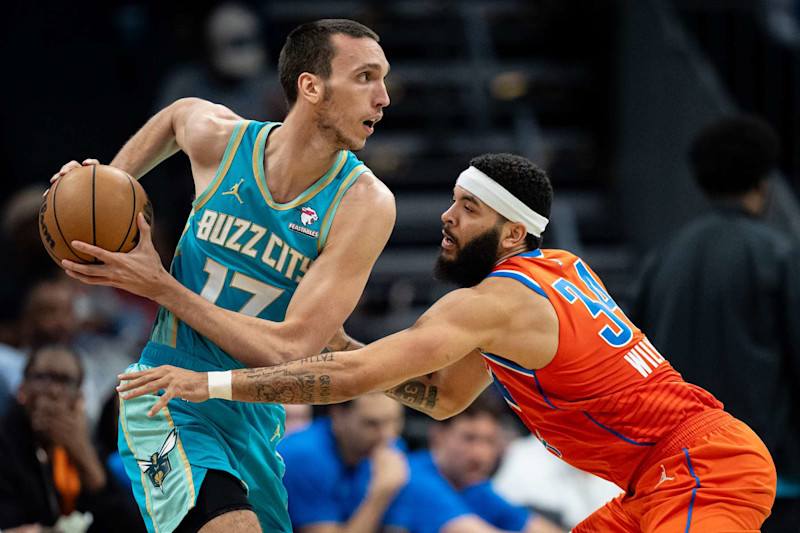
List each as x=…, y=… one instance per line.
x=96, y=217
x=133, y=217
x=58, y=227
x=94, y=211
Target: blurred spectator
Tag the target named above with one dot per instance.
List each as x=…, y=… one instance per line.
x=50, y=467
x=345, y=473
x=298, y=417
x=5, y=396
x=532, y=476
x=12, y=362
x=722, y=299
x=49, y=316
x=26, y=260
x=464, y=451
x=235, y=70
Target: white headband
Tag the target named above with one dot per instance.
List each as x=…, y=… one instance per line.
x=498, y=198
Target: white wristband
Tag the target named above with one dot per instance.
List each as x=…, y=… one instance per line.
x=219, y=385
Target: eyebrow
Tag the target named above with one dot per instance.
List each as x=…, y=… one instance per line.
x=372, y=66
x=471, y=198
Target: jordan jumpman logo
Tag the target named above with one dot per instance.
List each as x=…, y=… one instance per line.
x=235, y=191
x=663, y=477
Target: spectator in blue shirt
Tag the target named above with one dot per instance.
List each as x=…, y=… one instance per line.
x=464, y=451
x=346, y=473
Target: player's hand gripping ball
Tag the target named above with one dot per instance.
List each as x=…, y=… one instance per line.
x=96, y=204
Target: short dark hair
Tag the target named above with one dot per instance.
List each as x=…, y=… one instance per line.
x=309, y=48
x=38, y=350
x=522, y=178
x=733, y=155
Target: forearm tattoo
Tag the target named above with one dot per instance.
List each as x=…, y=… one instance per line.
x=291, y=382
x=416, y=394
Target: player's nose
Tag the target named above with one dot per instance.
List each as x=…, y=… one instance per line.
x=382, y=97
x=447, y=216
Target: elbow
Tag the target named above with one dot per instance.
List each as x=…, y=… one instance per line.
x=443, y=412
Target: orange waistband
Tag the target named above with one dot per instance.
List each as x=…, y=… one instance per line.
x=697, y=425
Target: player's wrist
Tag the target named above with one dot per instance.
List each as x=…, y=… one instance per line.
x=220, y=385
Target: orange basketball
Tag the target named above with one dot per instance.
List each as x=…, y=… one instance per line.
x=96, y=204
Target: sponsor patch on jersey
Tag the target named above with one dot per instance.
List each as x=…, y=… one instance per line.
x=307, y=218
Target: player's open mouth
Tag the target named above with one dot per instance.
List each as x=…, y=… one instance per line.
x=370, y=125
x=447, y=242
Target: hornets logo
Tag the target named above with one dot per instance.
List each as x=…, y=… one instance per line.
x=157, y=467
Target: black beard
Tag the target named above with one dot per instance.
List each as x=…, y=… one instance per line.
x=472, y=263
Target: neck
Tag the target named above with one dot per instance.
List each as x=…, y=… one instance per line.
x=454, y=482
x=348, y=456
x=296, y=156
x=519, y=249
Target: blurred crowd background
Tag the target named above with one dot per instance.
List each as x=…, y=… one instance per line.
x=606, y=95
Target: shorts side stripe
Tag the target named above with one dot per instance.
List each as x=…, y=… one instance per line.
x=694, y=490
x=122, y=419
x=185, y=460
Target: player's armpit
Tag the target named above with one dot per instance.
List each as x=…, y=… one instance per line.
x=199, y=128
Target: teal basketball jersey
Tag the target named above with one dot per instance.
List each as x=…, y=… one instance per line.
x=242, y=250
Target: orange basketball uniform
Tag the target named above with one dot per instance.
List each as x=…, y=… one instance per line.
x=610, y=404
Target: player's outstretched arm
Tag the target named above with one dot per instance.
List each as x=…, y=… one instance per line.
x=453, y=327
x=440, y=394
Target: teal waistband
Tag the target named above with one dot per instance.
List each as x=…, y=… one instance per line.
x=156, y=354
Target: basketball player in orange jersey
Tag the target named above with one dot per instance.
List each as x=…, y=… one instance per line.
x=572, y=366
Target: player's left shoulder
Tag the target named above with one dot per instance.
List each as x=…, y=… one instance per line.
x=369, y=201
x=368, y=188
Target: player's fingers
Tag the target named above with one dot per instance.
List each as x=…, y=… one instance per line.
x=89, y=280
x=160, y=404
x=44, y=194
x=144, y=227
x=90, y=161
x=133, y=375
x=93, y=271
x=155, y=371
x=135, y=391
x=69, y=166
x=137, y=381
x=103, y=255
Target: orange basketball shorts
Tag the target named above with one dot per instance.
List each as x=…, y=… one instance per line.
x=711, y=474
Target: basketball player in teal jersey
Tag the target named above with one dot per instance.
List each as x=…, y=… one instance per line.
x=285, y=228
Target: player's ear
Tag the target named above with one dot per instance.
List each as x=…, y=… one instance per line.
x=513, y=235
x=310, y=87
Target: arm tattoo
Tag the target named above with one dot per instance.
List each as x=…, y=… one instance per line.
x=415, y=394
x=287, y=382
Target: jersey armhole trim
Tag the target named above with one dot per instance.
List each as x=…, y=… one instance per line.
x=327, y=221
x=522, y=278
x=225, y=164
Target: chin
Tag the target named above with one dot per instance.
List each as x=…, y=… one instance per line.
x=355, y=146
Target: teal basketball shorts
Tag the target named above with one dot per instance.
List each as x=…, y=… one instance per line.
x=167, y=456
